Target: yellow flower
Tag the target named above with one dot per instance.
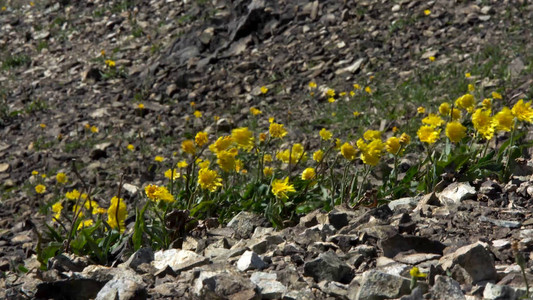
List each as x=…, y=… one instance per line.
x=368, y=90
x=34, y=173
x=271, y=119
x=85, y=223
x=226, y=159
x=116, y=214
x=468, y=75
x=280, y=188
x=504, y=119
x=342, y=94
x=308, y=174
x=276, y=130
x=433, y=120
x=338, y=144
x=262, y=137
x=483, y=123
x=455, y=131
x=43, y=175
x=421, y=110
x=130, y=147
x=415, y=273
x=243, y=137
x=209, y=179
x=371, y=152
x=42, y=125
x=432, y=58
x=182, y=164
x=203, y=163
x=318, y=155
x=73, y=195
x=312, y=85
x=4, y=8
x=395, y=129
x=192, y=104
x=61, y=178
x=87, y=126
x=466, y=101
x=216, y=118
x=487, y=103
x=140, y=106
x=352, y=93
x=201, y=138
x=330, y=93
x=238, y=166
x=331, y=100
x=197, y=114
x=188, y=147
x=254, y=111
x=110, y=63
x=159, y=158
x=294, y=155
x=405, y=139
x=221, y=144
x=150, y=190
x=523, y=111
x=268, y=171
x=264, y=90
x=471, y=87
x=370, y=135
x=102, y=52
x=356, y=86
x=57, y=208
x=348, y=151
x=444, y=109
x=161, y=193
x=392, y=145
x=40, y=189
x=497, y=95
x=427, y=12
x=356, y=113
x=456, y=114
x=172, y=174
x=325, y=134
x=267, y=158
x=94, y=129
x=428, y=134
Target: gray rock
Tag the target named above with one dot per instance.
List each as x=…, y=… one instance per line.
x=446, y=288
x=67, y=262
x=456, y=192
x=475, y=259
x=338, y=219
x=328, y=266
x=416, y=258
x=244, y=224
x=501, y=223
x=224, y=285
x=269, y=286
x=501, y=292
x=122, y=289
x=178, y=260
x=141, y=256
x=302, y=294
x=400, y=243
x=335, y=289
x=379, y=285
x=250, y=260
x=408, y=202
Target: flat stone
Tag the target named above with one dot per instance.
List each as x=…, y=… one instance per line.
x=244, y=224
x=456, y=192
x=416, y=258
x=224, y=285
x=403, y=202
x=497, y=292
x=501, y=223
x=250, y=260
x=378, y=285
x=328, y=266
x=122, y=289
x=446, y=288
x=178, y=260
x=269, y=286
x=475, y=259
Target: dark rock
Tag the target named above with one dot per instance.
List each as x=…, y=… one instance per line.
x=400, y=243
x=328, y=266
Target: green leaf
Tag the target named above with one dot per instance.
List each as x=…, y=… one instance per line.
x=53, y=234
x=139, y=228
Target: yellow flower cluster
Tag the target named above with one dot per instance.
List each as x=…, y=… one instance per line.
x=116, y=214
x=158, y=193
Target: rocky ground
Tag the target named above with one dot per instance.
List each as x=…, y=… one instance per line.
x=218, y=54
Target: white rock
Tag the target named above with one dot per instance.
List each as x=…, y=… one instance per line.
x=178, y=260
x=250, y=260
